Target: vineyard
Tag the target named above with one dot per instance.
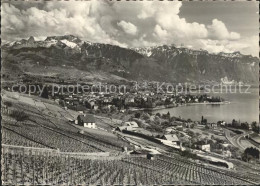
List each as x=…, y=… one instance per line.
x=51, y=139
x=48, y=149
x=46, y=166
x=56, y=133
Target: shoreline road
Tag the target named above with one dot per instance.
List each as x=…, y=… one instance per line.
x=236, y=140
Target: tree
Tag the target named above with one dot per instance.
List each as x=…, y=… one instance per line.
x=190, y=133
x=203, y=120
x=113, y=109
x=158, y=114
x=45, y=93
x=255, y=127
x=62, y=103
x=137, y=115
x=166, y=116
x=251, y=153
x=19, y=116
x=167, y=101
x=235, y=124
x=245, y=125
x=88, y=105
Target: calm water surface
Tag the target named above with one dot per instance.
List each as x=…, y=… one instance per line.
x=243, y=107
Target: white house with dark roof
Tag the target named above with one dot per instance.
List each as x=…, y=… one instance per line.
x=87, y=120
x=133, y=124
x=129, y=125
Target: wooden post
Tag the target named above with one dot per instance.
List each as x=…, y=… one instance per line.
x=43, y=167
x=47, y=163
x=85, y=174
x=36, y=166
x=70, y=171
x=14, y=166
x=22, y=172
x=33, y=163
x=52, y=170
x=5, y=156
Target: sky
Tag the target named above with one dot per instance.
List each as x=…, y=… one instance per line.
x=213, y=26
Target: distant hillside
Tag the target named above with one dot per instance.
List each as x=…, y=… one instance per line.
x=187, y=65
x=162, y=63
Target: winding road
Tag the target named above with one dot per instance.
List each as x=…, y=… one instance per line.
x=237, y=139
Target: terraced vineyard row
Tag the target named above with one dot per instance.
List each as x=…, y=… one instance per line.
x=67, y=128
x=71, y=131
x=63, y=136
x=241, y=176
x=52, y=139
x=12, y=138
x=46, y=167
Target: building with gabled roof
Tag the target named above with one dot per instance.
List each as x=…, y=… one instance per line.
x=87, y=120
x=131, y=123
x=171, y=137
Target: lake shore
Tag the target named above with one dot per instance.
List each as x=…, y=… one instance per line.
x=181, y=105
x=209, y=103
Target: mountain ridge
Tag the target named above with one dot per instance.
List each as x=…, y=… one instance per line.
x=162, y=63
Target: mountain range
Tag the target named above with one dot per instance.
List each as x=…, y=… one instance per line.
x=159, y=63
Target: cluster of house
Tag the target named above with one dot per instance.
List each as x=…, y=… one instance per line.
x=131, y=98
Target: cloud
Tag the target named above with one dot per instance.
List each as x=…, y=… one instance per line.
x=218, y=30
x=56, y=19
x=125, y=23
x=161, y=33
x=248, y=45
x=128, y=27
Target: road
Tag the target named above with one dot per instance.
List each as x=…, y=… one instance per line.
x=237, y=140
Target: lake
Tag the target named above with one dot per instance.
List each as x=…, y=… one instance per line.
x=243, y=107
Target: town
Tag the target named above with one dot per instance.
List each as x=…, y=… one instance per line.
x=130, y=96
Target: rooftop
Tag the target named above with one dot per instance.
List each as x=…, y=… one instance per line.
x=88, y=118
x=171, y=137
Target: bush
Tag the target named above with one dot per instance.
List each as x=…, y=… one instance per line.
x=145, y=116
x=137, y=115
x=252, y=152
x=8, y=103
x=19, y=115
x=188, y=154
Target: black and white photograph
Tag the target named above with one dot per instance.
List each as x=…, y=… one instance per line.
x=106, y=92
